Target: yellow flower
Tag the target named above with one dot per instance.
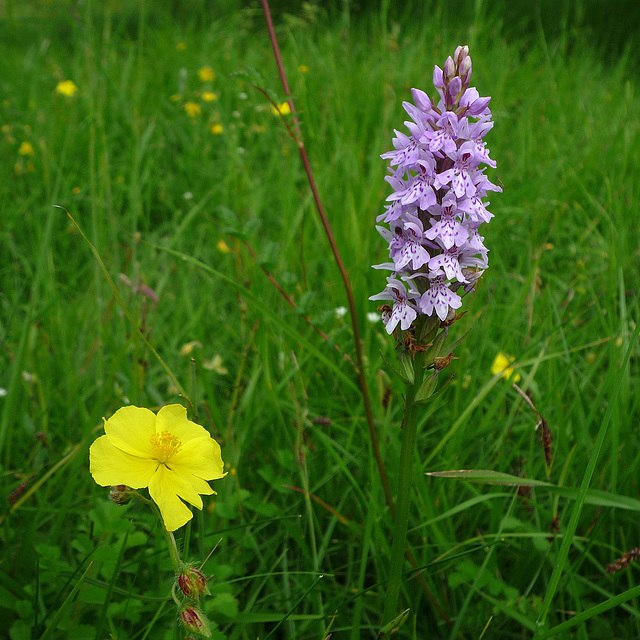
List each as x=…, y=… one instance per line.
x=206, y=74
x=192, y=109
x=209, y=96
x=25, y=149
x=303, y=68
x=66, y=88
x=216, y=129
x=167, y=453
x=502, y=364
x=283, y=108
x=223, y=247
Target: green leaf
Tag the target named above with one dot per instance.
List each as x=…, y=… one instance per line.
x=223, y=603
x=593, y=496
x=394, y=625
x=404, y=378
x=488, y=477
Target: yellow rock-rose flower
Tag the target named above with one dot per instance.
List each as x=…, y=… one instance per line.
x=206, y=74
x=66, y=88
x=192, y=109
x=25, y=149
x=167, y=453
x=283, y=108
x=502, y=363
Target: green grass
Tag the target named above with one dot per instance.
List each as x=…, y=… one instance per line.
x=155, y=192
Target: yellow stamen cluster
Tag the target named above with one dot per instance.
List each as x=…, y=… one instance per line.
x=165, y=445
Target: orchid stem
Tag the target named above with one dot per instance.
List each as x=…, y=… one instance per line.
x=403, y=498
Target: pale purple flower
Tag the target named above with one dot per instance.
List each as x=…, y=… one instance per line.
x=420, y=190
x=403, y=311
x=405, y=244
x=449, y=229
x=407, y=151
x=447, y=262
x=445, y=136
x=438, y=297
x=463, y=174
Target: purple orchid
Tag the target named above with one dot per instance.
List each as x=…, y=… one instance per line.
x=438, y=200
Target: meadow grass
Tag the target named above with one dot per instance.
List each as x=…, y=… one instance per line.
x=300, y=525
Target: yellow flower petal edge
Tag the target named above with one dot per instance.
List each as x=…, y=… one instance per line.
x=167, y=453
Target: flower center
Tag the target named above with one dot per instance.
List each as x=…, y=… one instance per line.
x=164, y=445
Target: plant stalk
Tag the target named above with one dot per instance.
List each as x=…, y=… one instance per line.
x=336, y=255
x=403, y=498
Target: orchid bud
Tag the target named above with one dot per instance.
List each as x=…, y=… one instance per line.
x=460, y=54
x=455, y=87
x=464, y=71
x=422, y=100
x=438, y=78
x=449, y=68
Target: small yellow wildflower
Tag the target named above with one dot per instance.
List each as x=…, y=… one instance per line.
x=25, y=149
x=209, y=96
x=206, y=74
x=223, y=247
x=76, y=190
x=283, y=108
x=172, y=456
x=216, y=129
x=502, y=364
x=66, y=88
x=303, y=68
x=181, y=46
x=192, y=109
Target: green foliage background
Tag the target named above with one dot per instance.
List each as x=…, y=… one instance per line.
x=155, y=191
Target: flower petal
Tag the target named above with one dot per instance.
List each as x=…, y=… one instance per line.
x=173, y=418
x=109, y=465
x=201, y=457
x=164, y=487
x=130, y=429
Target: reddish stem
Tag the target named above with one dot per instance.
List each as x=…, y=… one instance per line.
x=336, y=254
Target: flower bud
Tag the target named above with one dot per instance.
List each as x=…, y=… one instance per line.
x=194, y=621
x=120, y=494
x=455, y=87
x=422, y=100
x=464, y=71
x=192, y=583
x=449, y=68
x=460, y=54
x=438, y=78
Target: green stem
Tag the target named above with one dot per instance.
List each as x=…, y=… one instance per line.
x=403, y=500
x=168, y=536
